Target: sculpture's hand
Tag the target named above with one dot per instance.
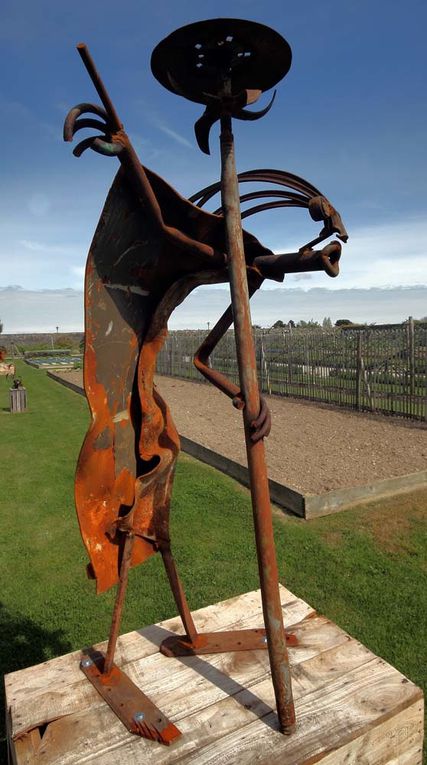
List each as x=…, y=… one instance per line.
x=262, y=425
x=106, y=143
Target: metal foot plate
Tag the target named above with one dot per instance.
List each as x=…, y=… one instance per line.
x=130, y=704
x=219, y=642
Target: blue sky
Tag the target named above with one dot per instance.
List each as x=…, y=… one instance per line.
x=350, y=117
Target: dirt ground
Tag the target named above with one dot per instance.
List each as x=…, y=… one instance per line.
x=311, y=448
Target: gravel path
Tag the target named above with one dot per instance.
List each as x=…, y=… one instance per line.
x=311, y=448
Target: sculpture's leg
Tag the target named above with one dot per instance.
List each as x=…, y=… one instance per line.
x=129, y=703
x=213, y=642
x=178, y=591
x=119, y=602
x=194, y=642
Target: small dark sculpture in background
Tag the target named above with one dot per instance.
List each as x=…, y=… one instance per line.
x=151, y=248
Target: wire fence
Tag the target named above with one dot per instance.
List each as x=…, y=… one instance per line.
x=377, y=369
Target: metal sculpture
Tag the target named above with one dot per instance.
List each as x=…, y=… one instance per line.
x=150, y=249
x=6, y=369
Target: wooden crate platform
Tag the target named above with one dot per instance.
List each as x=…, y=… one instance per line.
x=352, y=707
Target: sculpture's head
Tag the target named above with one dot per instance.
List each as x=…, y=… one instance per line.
x=294, y=192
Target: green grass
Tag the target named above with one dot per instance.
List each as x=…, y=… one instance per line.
x=364, y=568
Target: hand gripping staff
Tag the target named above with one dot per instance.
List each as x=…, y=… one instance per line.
x=150, y=249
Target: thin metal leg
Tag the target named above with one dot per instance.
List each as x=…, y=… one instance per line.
x=129, y=703
x=119, y=603
x=178, y=592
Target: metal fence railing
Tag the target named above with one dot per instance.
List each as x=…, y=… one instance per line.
x=377, y=369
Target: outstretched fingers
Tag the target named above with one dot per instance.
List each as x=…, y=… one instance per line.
x=262, y=425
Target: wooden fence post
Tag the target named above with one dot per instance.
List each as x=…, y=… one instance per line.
x=264, y=366
x=171, y=339
x=359, y=370
x=260, y=370
x=411, y=350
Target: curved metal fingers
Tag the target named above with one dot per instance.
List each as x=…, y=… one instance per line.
x=74, y=114
x=101, y=144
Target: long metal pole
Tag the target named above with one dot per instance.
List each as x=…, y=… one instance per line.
x=267, y=564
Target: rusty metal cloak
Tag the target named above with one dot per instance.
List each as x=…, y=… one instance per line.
x=134, y=279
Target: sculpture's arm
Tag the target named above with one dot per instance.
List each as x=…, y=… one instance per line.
x=262, y=425
x=276, y=266
x=270, y=267
x=115, y=142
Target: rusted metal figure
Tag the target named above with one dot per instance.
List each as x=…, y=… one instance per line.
x=150, y=249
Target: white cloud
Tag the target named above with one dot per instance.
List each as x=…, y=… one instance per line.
x=78, y=271
x=377, y=305
x=386, y=255
x=43, y=310
x=151, y=116
x=173, y=134
x=34, y=246
x=39, y=204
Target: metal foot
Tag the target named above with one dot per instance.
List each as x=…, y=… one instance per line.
x=219, y=642
x=130, y=704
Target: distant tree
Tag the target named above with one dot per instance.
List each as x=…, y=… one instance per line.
x=256, y=326
x=291, y=323
x=1, y=326
x=326, y=323
x=64, y=341
x=304, y=324
x=343, y=322
x=278, y=324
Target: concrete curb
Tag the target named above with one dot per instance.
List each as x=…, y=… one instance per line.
x=305, y=505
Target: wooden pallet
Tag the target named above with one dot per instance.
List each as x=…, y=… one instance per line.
x=352, y=707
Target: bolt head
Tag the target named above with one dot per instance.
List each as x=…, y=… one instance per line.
x=139, y=716
x=86, y=662
x=264, y=640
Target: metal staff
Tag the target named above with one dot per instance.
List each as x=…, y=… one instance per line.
x=245, y=350
x=227, y=64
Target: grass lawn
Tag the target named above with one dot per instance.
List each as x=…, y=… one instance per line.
x=364, y=568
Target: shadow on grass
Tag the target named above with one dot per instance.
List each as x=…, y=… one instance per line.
x=23, y=644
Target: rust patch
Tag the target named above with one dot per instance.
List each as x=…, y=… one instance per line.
x=103, y=439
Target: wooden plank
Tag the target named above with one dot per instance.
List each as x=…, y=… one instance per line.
x=26, y=748
x=317, y=505
x=328, y=718
x=231, y=612
x=234, y=729
x=349, y=703
x=58, y=687
x=397, y=741
x=205, y=724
